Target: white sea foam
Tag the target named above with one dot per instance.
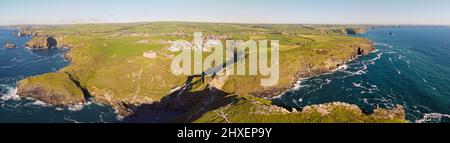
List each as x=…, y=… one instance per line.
x=40, y=103
x=361, y=71
x=369, y=88
x=357, y=85
x=390, y=52
x=327, y=81
x=365, y=100
x=119, y=117
x=378, y=57
x=398, y=71
x=296, y=103
x=381, y=44
x=71, y=120
x=6, y=67
x=14, y=59
x=433, y=117
x=78, y=107
x=400, y=56
x=298, y=84
x=372, y=61
x=11, y=94
x=424, y=80
x=343, y=67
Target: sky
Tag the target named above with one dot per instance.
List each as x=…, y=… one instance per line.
x=424, y=12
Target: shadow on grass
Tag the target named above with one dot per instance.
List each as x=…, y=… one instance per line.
x=185, y=105
x=182, y=105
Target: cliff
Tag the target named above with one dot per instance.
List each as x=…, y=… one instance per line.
x=245, y=110
x=25, y=31
x=61, y=91
x=42, y=42
x=120, y=76
x=355, y=30
x=316, y=59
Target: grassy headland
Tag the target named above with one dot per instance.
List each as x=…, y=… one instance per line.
x=107, y=65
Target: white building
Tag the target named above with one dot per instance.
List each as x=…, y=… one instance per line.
x=150, y=54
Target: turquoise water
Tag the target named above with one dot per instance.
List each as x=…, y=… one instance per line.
x=19, y=63
x=411, y=68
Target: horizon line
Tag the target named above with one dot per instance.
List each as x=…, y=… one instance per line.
x=223, y=22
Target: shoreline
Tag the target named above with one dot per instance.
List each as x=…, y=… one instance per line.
x=123, y=108
x=296, y=85
x=117, y=105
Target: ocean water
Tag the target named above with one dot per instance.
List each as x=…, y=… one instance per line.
x=411, y=68
x=19, y=63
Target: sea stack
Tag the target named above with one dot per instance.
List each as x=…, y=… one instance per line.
x=9, y=45
x=42, y=42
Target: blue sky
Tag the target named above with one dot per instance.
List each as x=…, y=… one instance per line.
x=235, y=11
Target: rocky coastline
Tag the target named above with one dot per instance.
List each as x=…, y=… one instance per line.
x=124, y=108
x=42, y=42
x=9, y=45
x=70, y=91
x=362, y=50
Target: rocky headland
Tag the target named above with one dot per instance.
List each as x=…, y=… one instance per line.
x=131, y=84
x=43, y=42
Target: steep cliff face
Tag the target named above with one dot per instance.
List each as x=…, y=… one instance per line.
x=112, y=70
x=355, y=30
x=26, y=32
x=247, y=110
x=304, y=69
x=53, y=88
x=42, y=42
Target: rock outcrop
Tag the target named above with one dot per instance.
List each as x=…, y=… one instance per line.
x=42, y=42
x=9, y=45
x=58, y=91
x=25, y=31
x=360, y=49
x=252, y=111
x=132, y=90
x=355, y=30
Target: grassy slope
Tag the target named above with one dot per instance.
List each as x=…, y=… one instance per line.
x=63, y=91
x=322, y=55
x=107, y=61
x=247, y=109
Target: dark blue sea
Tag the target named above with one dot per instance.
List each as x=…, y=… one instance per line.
x=19, y=63
x=411, y=68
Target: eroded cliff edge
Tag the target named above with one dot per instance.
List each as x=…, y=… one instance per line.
x=104, y=71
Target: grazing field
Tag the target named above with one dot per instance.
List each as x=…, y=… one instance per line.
x=108, y=66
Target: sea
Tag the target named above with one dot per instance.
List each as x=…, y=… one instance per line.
x=21, y=62
x=411, y=68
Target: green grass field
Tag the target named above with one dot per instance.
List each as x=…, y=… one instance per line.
x=107, y=60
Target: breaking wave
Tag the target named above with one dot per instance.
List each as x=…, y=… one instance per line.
x=434, y=118
x=11, y=93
